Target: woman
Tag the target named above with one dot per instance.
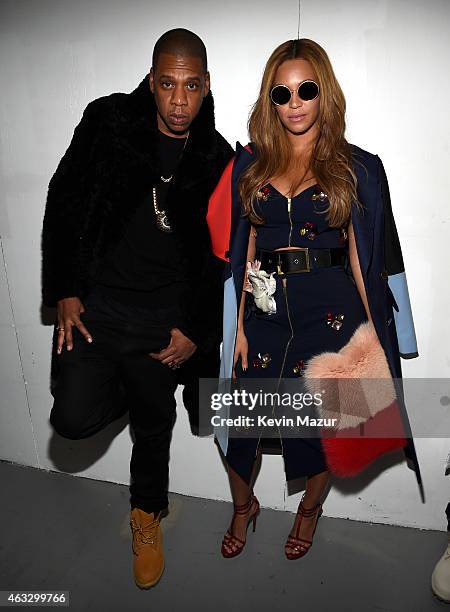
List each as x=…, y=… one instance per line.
x=297, y=187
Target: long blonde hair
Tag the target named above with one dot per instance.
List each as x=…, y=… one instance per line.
x=330, y=162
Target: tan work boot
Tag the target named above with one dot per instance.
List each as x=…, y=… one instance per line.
x=148, y=562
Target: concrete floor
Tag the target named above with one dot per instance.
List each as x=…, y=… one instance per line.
x=60, y=532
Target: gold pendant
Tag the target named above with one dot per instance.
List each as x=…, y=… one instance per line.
x=162, y=221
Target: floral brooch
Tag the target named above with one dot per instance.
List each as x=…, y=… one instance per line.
x=319, y=195
x=263, y=193
x=299, y=367
x=343, y=235
x=335, y=321
x=261, y=361
x=309, y=230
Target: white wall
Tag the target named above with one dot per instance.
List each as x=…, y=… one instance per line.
x=391, y=57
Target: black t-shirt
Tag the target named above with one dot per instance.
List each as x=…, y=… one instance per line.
x=146, y=266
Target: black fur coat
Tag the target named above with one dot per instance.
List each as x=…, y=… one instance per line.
x=110, y=164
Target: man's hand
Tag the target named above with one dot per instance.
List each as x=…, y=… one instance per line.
x=178, y=351
x=69, y=310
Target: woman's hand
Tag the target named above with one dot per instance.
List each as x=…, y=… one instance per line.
x=240, y=351
x=69, y=310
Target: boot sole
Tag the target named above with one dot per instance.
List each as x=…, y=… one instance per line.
x=149, y=585
x=441, y=598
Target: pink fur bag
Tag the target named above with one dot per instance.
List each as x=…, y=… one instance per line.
x=358, y=392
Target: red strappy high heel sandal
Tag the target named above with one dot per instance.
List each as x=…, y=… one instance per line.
x=231, y=541
x=300, y=546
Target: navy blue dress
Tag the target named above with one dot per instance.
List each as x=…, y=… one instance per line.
x=317, y=311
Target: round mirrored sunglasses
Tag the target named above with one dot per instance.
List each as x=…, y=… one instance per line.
x=307, y=90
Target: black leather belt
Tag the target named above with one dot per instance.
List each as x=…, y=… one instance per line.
x=299, y=260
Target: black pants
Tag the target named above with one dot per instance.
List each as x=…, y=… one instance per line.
x=94, y=384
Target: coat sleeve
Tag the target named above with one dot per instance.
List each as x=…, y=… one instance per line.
x=396, y=275
x=219, y=214
x=65, y=212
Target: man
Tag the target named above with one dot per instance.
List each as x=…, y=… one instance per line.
x=128, y=263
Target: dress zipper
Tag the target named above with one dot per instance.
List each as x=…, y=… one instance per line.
x=289, y=203
x=283, y=282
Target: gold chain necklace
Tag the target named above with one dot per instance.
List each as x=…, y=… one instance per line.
x=162, y=220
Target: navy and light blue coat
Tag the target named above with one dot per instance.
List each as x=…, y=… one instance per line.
x=380, y=258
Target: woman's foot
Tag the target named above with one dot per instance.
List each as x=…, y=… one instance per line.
x=235, y=538
x=300, y=539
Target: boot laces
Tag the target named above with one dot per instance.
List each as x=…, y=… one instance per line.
x=144, y=534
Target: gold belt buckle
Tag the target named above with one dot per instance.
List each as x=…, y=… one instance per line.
x=306, y=251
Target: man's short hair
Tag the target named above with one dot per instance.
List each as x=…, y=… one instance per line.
x=180, y=42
